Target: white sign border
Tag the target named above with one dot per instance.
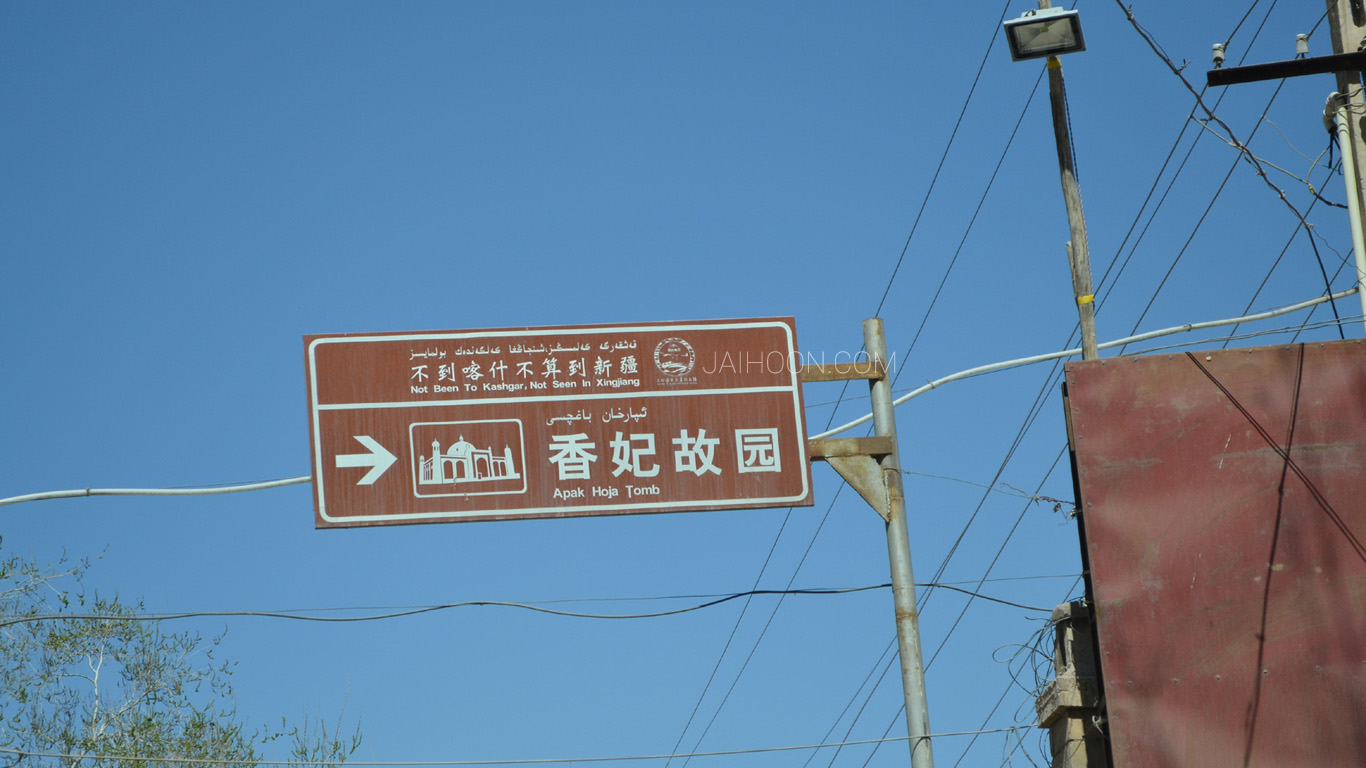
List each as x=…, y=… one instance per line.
x=555, y=512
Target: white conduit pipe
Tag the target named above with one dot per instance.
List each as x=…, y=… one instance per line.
x=1077, y=351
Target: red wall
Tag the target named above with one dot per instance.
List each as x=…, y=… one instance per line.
x=1223, y=499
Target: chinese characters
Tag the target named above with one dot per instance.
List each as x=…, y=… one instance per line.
x=634, y=453
x=523, y=368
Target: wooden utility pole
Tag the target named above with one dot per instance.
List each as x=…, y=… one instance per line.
x=1078, y=251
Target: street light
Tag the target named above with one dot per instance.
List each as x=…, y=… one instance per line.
x=1045, y=32
x=1049, y=32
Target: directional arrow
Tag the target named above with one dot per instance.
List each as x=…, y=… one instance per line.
x=378, y=459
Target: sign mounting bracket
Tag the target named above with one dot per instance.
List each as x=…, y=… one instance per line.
x=856, y=460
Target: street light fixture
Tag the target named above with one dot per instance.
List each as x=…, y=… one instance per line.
x=1045, y=32
x=1049, y=32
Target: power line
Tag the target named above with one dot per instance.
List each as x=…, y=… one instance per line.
x=305, y=478
x=980, y=202
x=1022, y=361
x=934, y=300
x=731, y=637
x=1305, y=326
x=995, y=30
x=167, y=616
x=1029, y=419
x=1328, y=286
x=852, y=699
x=530, y=761
x=1246, y=152
x=1028, y=423
x=1035, y=411
x=881, y=302
x=772, y=614
x=869, y=698
x=1019, y=438
x=999, y=551
x=1012, y=492
x=1241, y=146
x=1194, y=231
x=1241, y=21
x=1020, y=742
x=629, y=599
x=1172, y=183
x=1013, y=682
x=896, y=268
x=762, y=570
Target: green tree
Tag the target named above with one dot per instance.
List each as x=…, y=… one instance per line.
x=98, y=692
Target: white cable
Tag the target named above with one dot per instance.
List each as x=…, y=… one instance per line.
x=203, y=491
x=828, y=433
x=1077, y=351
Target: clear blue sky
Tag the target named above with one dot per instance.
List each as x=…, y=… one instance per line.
x=188, y=189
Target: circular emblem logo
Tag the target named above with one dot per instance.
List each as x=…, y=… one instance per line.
x=674, y=357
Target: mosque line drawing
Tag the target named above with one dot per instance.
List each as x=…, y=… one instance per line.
x=462, y=463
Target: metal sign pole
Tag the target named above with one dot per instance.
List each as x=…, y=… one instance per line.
x=899, y=551
x=871, y=467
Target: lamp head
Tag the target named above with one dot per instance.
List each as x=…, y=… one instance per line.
x=1045, y=32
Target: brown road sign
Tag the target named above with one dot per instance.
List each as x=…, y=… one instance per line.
x=455, y=426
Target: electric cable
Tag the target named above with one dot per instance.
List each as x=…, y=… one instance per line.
x=1294, y=329
x=995, y=559
x=1015, y=493
x=762, y=570
x=1175, y=145
x=1285, y=249
x=1150, y=221
x=869, y=698
x=1305, y=325
x=417, y=763
x=1242, y=147
x=626, y=599
x=905, y=248
x=733, y=631
x=995, y=30
x=1035, y=411
x=140, y=617
x=1243, y=20
x=1032, y=415
x=953, y=261
x=934, y=300
x=1199, y=222
x=1022, y=361
x=769, y=622
x=884, y=655
x=1024, y=429
x=1004, y=693
x=941, y=645
x=306, y=479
